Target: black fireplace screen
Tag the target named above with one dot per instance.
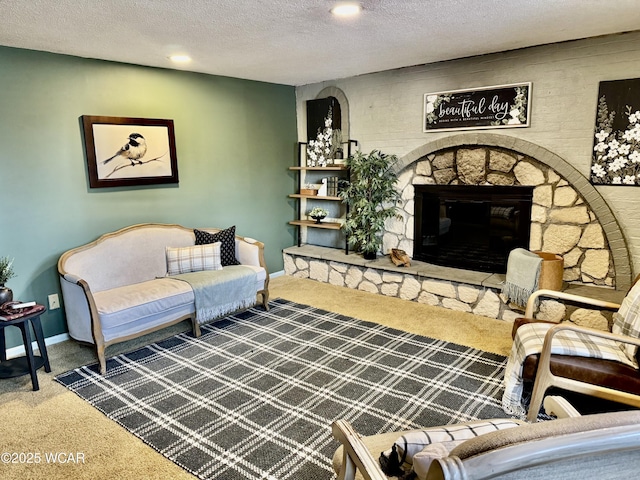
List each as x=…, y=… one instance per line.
x=470, y=226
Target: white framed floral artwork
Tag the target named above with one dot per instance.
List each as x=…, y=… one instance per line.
x=616, y=142
x=320, y=150
x=498, y=106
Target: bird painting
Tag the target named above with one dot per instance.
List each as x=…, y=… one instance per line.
x=133, y=150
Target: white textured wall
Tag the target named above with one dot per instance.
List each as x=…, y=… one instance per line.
x=386, y=107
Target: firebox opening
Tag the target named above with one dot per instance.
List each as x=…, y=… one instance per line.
x=470, y=226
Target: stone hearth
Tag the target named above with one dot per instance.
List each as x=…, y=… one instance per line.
x=452, y=288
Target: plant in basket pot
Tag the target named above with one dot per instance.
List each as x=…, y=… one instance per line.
x=318, y=214
x=6, y=273
x=372, y=198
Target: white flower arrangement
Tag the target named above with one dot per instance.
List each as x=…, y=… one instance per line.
x=317, y=212
x=616, y=158
x=319, y=151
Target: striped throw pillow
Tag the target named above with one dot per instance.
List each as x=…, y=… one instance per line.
x=193, y=259
x=418, y=445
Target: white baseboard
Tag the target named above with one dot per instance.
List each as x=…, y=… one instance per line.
x=279, y=273
x=19, y=350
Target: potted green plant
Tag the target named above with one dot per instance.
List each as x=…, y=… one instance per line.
x=372, y=198
x=6, y=273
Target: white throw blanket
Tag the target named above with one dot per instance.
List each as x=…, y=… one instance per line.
x=523, y=270
x=219, y=292
x=529, y=340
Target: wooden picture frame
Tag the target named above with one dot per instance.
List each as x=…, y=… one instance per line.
x=123, y=151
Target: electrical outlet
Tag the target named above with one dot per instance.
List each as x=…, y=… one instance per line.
x=54, y=301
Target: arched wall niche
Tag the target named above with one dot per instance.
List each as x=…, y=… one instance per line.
x=416, y=167
x=344, y=107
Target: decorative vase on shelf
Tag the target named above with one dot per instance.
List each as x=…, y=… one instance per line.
x=6, y=294
x=317, y=214
x=370, y=255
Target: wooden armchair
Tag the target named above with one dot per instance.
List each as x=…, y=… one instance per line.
x=594, y=446
x=606, y=379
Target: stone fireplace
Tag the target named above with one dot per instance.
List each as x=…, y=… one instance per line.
x=568, y=216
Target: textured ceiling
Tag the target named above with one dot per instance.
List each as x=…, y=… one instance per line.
x=296, y=42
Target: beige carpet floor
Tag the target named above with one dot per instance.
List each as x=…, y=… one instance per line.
x=54, y=420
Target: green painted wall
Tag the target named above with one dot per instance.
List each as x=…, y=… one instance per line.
x=235, y=140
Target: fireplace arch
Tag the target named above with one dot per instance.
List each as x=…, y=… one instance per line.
x=416, y=167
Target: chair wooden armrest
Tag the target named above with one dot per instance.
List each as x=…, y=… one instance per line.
x=355, y=454
x=532, y=301
x=553, y=331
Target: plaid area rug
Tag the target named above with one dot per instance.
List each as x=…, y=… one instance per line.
x=255, y=395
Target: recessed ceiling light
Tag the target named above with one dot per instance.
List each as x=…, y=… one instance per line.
x=180, y=58
x=346, y=9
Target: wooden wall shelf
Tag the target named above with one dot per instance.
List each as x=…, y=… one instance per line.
x=315, y=197
x=307, y=176
x=320, y=169
x=313, y=224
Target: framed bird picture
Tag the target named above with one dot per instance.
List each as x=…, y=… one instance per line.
x=124, y=151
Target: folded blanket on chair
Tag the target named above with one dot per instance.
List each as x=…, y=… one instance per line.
x=523, y=270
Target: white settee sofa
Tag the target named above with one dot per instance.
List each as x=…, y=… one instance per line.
x=117, y=287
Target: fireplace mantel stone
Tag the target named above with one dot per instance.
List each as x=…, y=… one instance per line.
x=453, y=288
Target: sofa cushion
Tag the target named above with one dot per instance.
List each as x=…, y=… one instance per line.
x=193, y=259
x=261, y=276
x=123, y=305
x=228, y=239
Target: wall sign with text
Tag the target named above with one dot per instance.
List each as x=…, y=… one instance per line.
x=500, y=106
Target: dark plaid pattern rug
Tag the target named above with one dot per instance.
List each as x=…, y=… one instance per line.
x=254, y=397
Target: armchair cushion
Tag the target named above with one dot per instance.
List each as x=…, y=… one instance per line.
x=626, y=321
x=518, y=322
x=596, y=371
